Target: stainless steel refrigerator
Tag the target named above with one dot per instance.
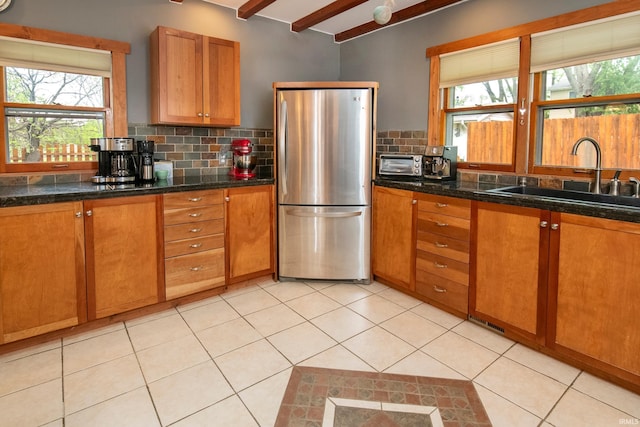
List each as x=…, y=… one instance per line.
x=324, y=150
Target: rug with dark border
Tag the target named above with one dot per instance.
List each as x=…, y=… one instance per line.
x=337, y=398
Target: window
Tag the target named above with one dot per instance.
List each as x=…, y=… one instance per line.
x=580, y=79
x=55, y=96
x=50, y=116
x=589, y=85
x=479, y=102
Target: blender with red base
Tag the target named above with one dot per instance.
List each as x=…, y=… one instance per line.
x=244, y=163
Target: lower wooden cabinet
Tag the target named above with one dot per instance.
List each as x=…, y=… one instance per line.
x=194, y=241
x=123, y=253
x=392, y=236
x=594, y=290
x=442, y=251
x=250, y=232
x=510, y=255
x=42, y=280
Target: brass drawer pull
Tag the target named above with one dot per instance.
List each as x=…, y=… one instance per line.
x=195, y=245
x=438, y=265
x=197, y=268
x=195, y=230
x=441, y=245
x=441, y=224
x=195, y=199
x=441, y=205
x=195, y=215
x=439, y=290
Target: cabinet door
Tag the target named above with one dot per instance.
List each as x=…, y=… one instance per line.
x=250, y=232
x=124, y=259
x=393, y=236
x=42, y=285
x=176, y=77
x=594, y=293
x=509, y=259
x=221, y=82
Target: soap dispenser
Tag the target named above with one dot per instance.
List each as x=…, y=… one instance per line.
x=614, y=186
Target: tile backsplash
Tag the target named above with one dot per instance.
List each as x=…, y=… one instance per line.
x=193, y=151
x=207, y=151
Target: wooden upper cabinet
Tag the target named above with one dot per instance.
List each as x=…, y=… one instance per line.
x=195, y=79
x=42, y=282
x=250, y=232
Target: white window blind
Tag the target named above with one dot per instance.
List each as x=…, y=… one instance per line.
x=489, y=62
x=31, y=54
x=590, y=42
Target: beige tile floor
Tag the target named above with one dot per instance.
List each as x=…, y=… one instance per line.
x=225, y=361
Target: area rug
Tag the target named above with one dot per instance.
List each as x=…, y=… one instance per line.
x=318, y=397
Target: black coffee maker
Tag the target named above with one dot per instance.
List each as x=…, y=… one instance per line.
x=440, y=162
x=145, y=160
x=116, y=160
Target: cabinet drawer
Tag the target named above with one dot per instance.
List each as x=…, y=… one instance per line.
x=444, y=246
x=193, y=273
x=444, y=205
x=444, y=225
x=204, y=213
x=192, y=199
x=191, y=230
x=443, y=291
x=443, y=267
x=190, y=246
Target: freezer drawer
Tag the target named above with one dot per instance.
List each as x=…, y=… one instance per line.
x=324, y=243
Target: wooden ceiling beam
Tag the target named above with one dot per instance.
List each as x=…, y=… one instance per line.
x=252, y=7
x=399, y=16
x=329, y=11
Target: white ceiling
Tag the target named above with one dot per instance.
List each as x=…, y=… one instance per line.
x=291, y=10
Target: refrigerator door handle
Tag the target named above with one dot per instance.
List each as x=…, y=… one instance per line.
x=305, y=213
x=282, y=148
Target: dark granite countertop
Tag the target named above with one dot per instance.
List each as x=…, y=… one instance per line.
x=21, y=195
x=478, y=191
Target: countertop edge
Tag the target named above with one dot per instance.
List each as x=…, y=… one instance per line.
x=12, y=196
x=478, y=191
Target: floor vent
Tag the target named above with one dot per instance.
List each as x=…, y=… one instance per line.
x=486, y=324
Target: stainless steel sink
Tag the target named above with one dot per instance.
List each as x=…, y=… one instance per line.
x=569, y=195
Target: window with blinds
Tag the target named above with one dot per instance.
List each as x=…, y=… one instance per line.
x=589, y=78
x=59, y=90
x=517, y=99
x=53, y=100
x=480, y=86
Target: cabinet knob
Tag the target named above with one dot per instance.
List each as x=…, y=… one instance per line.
x=441, y=245
x=438, y=265
x=227, y=199
x=195, y=199
x=195, y=230
x=196, y=268
x=439, y=289
x=414, y=201
x=441, y=224
x=79, y=214
x=206, y=115
x=441, y=205
x=543, y=224
x=195, y=215
x=195, y=245
x=200, y=114
x=89, y=213
x=555, y=226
